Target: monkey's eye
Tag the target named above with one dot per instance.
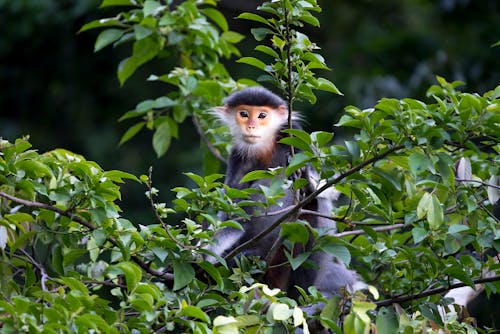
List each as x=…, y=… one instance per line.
x=262, y=115
x=244, y=114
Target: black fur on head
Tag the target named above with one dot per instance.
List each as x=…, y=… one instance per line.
x=254, y=96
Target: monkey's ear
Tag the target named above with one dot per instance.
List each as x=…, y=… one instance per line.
x=282, y=110
x=221, y=109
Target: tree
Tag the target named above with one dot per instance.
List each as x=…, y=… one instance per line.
x=420, y=178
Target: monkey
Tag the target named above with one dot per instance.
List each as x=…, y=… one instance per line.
x=255, y=117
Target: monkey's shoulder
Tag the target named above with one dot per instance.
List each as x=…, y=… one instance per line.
x=240, y=165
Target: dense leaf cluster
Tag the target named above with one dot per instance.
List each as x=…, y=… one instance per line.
x=419, y=217
x=419, y=179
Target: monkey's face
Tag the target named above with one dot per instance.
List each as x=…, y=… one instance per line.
x=258, y=124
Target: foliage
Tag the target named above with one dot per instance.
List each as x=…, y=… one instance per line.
x=421, y=179
x=292, y=52
x=194, y=36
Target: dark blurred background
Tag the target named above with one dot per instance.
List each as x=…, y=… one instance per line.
x=57, y=90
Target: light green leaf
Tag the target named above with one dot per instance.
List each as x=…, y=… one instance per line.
x=20, y=217
x=256, y=175
x=418, y=234
x=217, y=17
x=418, y=163
x=279, y=312
x=194, y=312
x=267, y=50
x=108, y=3
x=424, y=205
x=226, y=325
x=143, y=51
x=107, y=37
x=252, y=61
x=162, y=138
x=296, y=262
x=253, y=17
x=387, y=321
x=435, y=215
x=131, y=132
x=232, y=37
x=328, y=86
x=150, y=7
x=133, y=274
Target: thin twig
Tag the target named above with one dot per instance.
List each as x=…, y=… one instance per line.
x=207, y=142
x=157, y=215
x=91, y=227
x=401, y=299
x=43, y=273
x=376, y=229
x=296, y=208
x=481, y=182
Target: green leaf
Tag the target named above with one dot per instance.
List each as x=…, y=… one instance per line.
x=232, y=37
x=279, y=312
x=107, y=37
x=387, y=321
x=20, y=217
x=332, y=246
x=321, y=138
x=435, y=215
x=295, y=232
x=183, y=274
x=217, y=17
x=309, y=19
x=108, y=3
x=91, y=321
x=296, y=262
x=387, y=177
x=141, y=32
x=260, y=33
x=418, y=163
x=423, y=205
x=253, y=17
x=299, y=160
x=226, y=325
x=253, y=62
x=150, y=7
x=213, y=272
x=418, y=234
x=328, y=86
x=162, y=138
x=353, y=149
x=132, y=272
x=118, y=176
x=256, y=175
x=143, y=51
x=34, y=167
x=194, y=312
x=267, y=50
x=102, y=23
x=72, y=255
x=131, y=132
x=74, y=285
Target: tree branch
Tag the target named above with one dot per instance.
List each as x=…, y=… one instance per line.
x=207, y=142
x=157, y=215
x=401, y=299
x=477, y=181
x=91, y=227
x=296, y=208
x=376, y=229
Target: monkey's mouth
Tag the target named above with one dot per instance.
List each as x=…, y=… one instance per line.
x=251, y=138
